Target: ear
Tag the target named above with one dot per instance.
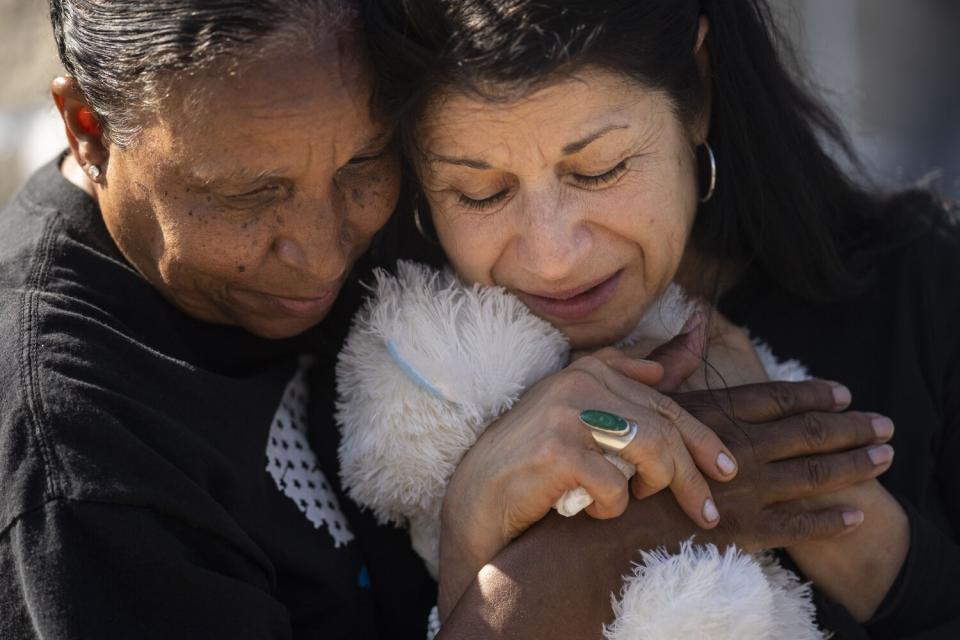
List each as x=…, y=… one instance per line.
x=702, y=124
x=84, y=133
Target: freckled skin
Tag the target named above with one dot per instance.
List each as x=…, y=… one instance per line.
x=545, y=228
x=223, y=209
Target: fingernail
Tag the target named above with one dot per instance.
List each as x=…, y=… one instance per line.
x=710, y=513
x=841, y=395
x=852, y=518
x=882, y=426
x=880, y=455
x=725, y=464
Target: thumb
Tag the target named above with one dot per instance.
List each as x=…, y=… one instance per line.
x=646, y=372
x=682, y=355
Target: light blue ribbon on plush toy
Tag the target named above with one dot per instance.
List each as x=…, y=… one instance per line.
x=411, y=372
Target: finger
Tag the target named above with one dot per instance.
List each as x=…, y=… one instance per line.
x=682, y=355
x=770, y=401
x=645, y=372
x=605, y=484
x=818, y=432
x=785, y=526
x=705, y=447
x=662, y=460
x=813, y=475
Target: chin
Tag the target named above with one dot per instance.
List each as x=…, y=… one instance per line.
x=592, y=337
x=278, y=329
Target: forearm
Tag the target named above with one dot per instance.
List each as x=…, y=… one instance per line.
x=858, y=569
x=555, y=580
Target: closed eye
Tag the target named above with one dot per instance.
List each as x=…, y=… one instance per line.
x=258, y=197
x=482, y=203
x=601, y=179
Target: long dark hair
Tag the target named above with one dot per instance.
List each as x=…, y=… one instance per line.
x=782, y=204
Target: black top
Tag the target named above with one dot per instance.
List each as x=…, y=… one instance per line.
x=897, y=347
x=165, y=478
x=161, y=477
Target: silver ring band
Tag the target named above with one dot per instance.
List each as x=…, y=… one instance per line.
x=612, y=442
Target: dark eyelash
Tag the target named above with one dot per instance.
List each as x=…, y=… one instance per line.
x=604, y=178
x=358, y=160
x=256, y=198
x=258, y=191
x=373, y=155
x=485, y=203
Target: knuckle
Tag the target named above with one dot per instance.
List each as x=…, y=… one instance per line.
x=817, y=472
x=783, y=397
x=579, y=377
x=732, y=522
x=557, y=415
x=606, y=354
x=667, y=408
x=689, y=478
x=661, y=435
x=816, y=435
x=550, y=454
x=610, y=492
x=805, y=526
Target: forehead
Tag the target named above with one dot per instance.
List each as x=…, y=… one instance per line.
x=286, y=106
x=549, y=117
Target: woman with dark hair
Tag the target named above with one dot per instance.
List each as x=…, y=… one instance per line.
x=585, y=155
x=173, y=292
x=167, y=294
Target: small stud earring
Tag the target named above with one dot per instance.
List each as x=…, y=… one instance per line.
x=93, y=171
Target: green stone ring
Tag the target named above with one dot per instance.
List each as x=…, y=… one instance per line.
x=610, y=431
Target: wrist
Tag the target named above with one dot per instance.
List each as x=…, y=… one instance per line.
x=468, y=541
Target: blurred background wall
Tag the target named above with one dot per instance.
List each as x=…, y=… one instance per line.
x=29, y=134
x=889, y=68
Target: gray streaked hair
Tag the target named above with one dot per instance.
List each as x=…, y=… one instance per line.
x=126, y=55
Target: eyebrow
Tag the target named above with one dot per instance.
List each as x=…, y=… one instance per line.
x=463, y=162
x=568, y=150
x=378, y=140
x=580, y=145
x=237, y=175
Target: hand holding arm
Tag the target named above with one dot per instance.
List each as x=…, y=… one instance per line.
x=562, y=565
x=526, y=460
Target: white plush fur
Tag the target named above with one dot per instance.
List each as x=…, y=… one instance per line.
x=430, y=363
x=476, y=348
x=711, y=594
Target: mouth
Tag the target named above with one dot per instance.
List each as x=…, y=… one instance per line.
x=298, y=306
x=572, y=304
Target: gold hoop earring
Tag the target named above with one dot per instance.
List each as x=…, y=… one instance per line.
x=712, y=181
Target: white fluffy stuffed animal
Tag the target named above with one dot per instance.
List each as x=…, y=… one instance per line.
x=430, y=362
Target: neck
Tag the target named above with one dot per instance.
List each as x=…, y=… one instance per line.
x=706, y=276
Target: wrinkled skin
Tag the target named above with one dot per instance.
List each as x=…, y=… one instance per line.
x=247, y=197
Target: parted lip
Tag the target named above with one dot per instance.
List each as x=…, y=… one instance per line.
x=576, y=304
x=300, y=305
x=566, y=294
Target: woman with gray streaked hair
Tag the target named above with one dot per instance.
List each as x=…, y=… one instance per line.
x=173, y=292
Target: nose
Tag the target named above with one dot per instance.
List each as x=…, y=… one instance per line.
x=555, y=239
x=314, y=239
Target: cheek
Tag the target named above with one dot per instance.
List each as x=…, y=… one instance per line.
x=197, y=246
x=657, y=214
x=371, y=198
x=475, y=245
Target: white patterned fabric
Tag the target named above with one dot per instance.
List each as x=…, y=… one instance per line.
x=433, y=623
x=293, y=465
